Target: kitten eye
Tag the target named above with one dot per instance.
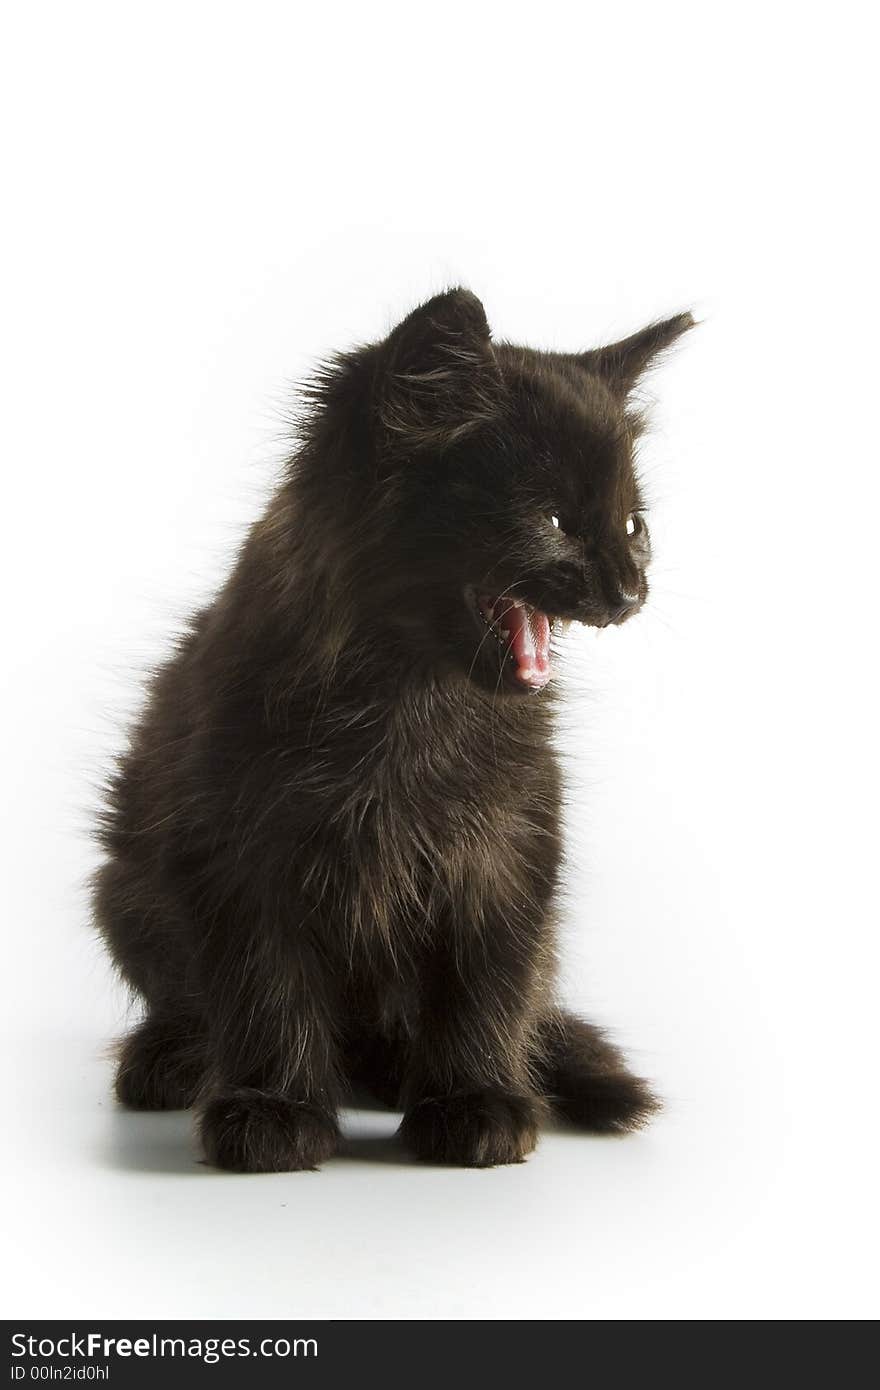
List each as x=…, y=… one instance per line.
x=633, y=524
x=554, y=520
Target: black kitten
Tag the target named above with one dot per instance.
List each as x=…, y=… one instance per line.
x=333, y=844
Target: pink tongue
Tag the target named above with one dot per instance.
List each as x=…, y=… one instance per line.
x=529, y=640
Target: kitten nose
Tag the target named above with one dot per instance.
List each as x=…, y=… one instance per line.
x=627, y=602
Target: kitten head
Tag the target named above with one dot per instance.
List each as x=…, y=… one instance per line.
x=496, y=496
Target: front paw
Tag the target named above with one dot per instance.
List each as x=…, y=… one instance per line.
x=477, y=1130
x=246, y=1131
x=161, y=1065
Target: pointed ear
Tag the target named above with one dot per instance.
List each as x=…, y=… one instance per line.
x=621, y=364
x=440, y=379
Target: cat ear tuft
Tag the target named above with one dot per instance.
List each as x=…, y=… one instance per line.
x=441, y=380
x=621, y=364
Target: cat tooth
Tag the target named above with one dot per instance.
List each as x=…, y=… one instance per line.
x=505, y=633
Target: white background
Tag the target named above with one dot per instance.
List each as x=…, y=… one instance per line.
x=200, y=200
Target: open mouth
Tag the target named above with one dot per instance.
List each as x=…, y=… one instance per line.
x=523, y=635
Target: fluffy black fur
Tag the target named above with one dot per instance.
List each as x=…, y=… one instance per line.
x=333, y=843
